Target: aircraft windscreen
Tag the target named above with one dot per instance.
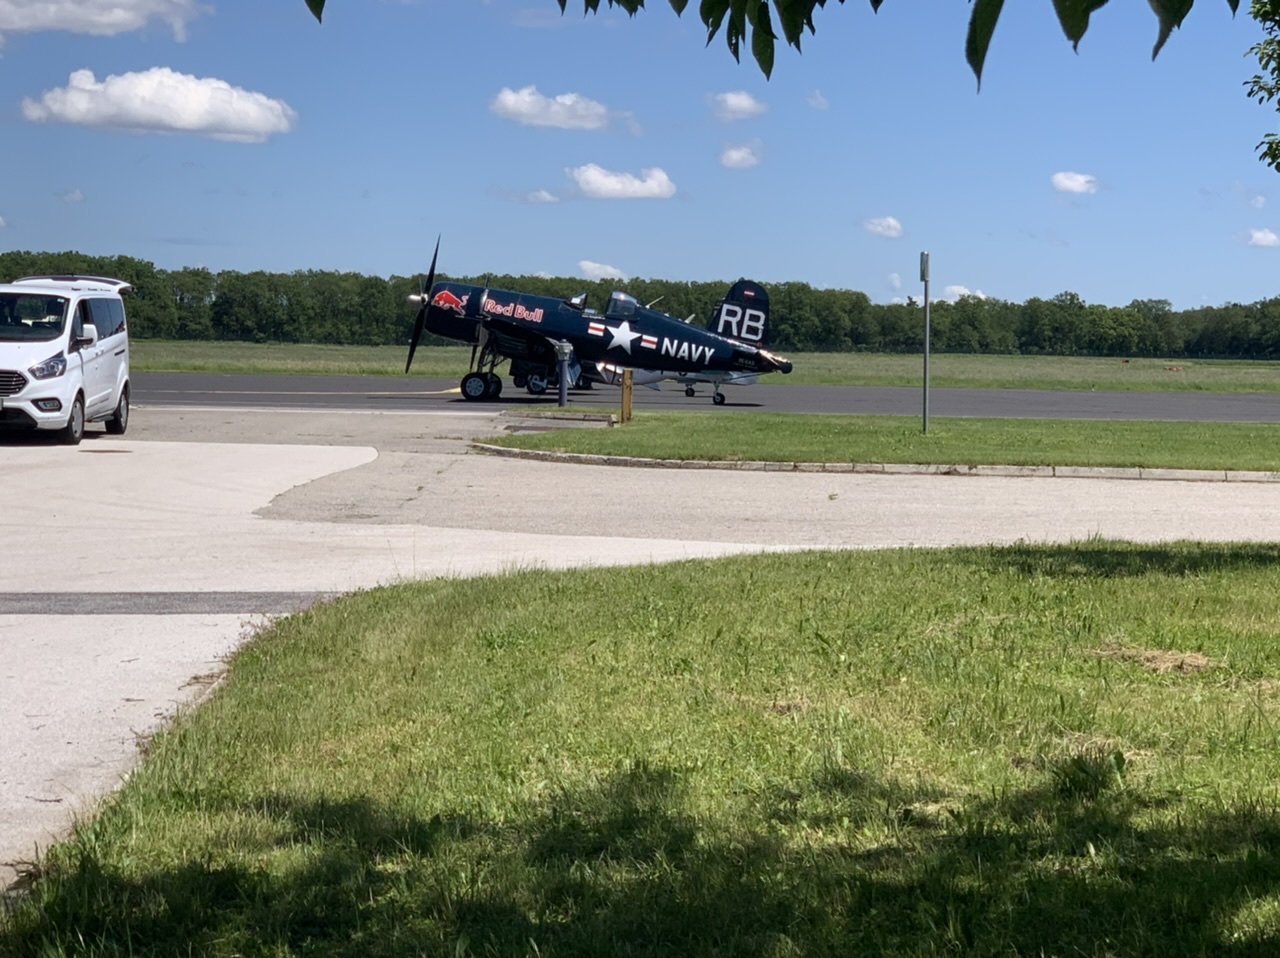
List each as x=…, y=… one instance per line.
x=621, y=306
x=31, y=318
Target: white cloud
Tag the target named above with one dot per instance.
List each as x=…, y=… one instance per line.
x=895, y=280
x=740, y=157
x=96, y=17
x=737, y=105
x=162, y=101
x=818, y=101
x=75, y=196
x=603, y=184
x=599, y=270
x=885, y=226
x=3, y=224
x=1249, y=195
x=1263, y=238
x=1067, y=182
x=958, y=292
x=542, y=196
x=568, y=111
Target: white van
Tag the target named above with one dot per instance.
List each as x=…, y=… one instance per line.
x=64, y=354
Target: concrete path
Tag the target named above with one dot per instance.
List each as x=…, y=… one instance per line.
x=134, y=565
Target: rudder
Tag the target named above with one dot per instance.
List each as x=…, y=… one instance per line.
x=743, y=314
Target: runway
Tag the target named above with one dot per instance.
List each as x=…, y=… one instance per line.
x=416, y=394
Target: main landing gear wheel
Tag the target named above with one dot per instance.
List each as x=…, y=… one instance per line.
x=718, y=399
x=537, y=385
x=690, y=391
x=475, y=386
x=495, y=386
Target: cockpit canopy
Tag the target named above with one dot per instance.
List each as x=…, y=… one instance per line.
x=621, y=306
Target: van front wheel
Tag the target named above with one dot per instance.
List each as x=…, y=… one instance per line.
x=73, y=431
x=119, y=420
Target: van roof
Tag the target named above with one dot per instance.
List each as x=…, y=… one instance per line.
x=76, y=282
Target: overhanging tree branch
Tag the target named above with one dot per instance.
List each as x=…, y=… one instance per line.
x=753, y=22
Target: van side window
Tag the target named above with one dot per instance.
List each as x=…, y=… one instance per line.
x=81, y=317
x=106, y=319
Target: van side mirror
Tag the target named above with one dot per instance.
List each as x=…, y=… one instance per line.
x=88, y=335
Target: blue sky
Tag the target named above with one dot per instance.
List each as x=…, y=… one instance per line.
x=243, y=135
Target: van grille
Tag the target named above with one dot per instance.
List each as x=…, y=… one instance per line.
x=11, y=383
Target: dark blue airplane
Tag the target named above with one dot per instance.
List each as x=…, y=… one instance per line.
x=525, y=329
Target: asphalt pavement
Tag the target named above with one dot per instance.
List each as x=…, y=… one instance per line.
x=772, y=394
x=135, y=565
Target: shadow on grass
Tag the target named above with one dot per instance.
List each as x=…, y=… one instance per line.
x=624, y=868
x=1107, y=559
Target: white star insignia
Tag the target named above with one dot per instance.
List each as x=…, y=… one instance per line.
x=623, y=336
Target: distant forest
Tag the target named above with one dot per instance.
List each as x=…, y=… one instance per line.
x=314, y=306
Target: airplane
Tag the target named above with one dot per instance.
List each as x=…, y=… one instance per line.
x=743, y=314
x=527, y=330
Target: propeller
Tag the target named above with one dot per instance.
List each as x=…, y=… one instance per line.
x=422, y=310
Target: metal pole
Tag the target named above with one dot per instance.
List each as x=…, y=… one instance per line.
x=924, y=275
x=564, y=352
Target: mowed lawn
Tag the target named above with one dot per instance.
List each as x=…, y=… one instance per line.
x=994, y=751
x=794, y=437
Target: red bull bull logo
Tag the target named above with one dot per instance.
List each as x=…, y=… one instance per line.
x=447, y=300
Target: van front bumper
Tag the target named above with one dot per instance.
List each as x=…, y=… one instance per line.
x=40, y=412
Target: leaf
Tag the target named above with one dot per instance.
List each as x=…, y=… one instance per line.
x=1171, y=14
x=762, y=37
x=982, y=24
x=1074, y=17
x=678, y=6
x=712, y=13
x=317, y=8
x=737, y=26
x=792, y=15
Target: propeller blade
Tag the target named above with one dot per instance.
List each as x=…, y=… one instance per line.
x=418, y=323
x=422, y=313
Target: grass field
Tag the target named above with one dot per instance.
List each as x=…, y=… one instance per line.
x=861, y=369
x=793, y=437
x=1015, y=751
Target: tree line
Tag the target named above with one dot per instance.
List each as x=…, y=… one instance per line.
x=347, y=308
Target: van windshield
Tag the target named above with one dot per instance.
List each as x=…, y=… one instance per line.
x=33, y=318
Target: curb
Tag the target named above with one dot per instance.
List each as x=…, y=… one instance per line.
x=896, y=469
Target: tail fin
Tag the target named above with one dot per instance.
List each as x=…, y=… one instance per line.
x=743, y=314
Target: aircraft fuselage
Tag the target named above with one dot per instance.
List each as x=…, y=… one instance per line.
x=625, y=334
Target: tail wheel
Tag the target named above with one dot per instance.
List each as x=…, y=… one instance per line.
x=73, y=431
x=475, y=386
x=119, y=420
x=690, y=391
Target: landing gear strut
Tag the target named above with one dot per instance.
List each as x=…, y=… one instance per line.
x=483, y=383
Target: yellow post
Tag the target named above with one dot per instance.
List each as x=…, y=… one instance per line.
x=627, y=377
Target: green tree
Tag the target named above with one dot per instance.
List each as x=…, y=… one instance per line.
x=1264, y=87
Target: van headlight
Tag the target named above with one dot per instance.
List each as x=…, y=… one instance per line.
x=49, y=369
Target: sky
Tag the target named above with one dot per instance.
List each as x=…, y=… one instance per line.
x=244, y=135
